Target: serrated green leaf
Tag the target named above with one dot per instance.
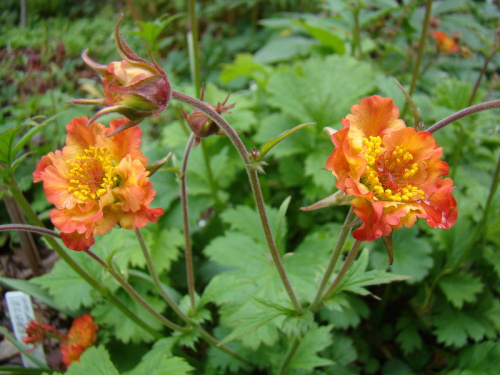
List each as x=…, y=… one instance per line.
x=126, y=330
x=268, y=146
x=459, y=288
x=408, y=337
x=315, y=340
x=412, y=255
x=346, y=313
x=321, y=90
x=251, y=324
x=95, y=361
x=246, y=220
x=454, y=327
x=160, y=361
x=297, y=325
x=479, y=359
x=357, y=278
x=283, y=48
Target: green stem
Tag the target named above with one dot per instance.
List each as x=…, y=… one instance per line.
x=254, y=182
x=457, y=151
x=287, y=360
x=357, y=31
x=481, y=74
x=211, y=181
x=31, y=215
x=353, y=253
x=134, y=295
x=463, y=113
x=156, y=278
x=337, y=251
x=185, y=220
x=420, y=53
x=261, y=208
x=195, y=61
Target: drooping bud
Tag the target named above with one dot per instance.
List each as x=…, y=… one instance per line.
x=202, y=125
x=133, y=86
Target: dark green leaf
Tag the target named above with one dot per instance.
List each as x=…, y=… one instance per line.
x=460, y=288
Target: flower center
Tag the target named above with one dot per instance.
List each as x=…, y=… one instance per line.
x=91, y=173
x=387, y=173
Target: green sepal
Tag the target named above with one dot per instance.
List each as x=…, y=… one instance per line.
x=266, y=147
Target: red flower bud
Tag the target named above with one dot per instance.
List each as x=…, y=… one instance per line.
x=133, y=86
x=202, y=125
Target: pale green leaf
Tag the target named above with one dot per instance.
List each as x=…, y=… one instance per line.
x=347, y=311
x=93, y=361
x=124, y=329
x=357, y=278
x=160, y=361
x=324, y=36
x=412, y=255
x=321, y=90
x=314, y=341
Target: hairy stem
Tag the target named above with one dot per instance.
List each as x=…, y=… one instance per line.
x=134, y=295
x=31, y=215
x=156, y=280
x=185, y=220
x=420, y=53
x=463, y=113
x=254, y=182
x=481, y=74
x=28, y=228
x=353, y=253
x=259, y=200
x=337, y=251
x=292, y=349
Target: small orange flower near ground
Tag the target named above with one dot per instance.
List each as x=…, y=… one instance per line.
x=393, y=173
x=444, y=42
x=97, y=182
x=81, y=336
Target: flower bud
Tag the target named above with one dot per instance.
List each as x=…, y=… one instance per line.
x=202, y=125
x=133, y=86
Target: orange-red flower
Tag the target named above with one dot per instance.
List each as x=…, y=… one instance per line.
x=97, y=182
x=133, y=86
x=444, y=42
x=393, y=172
x=81, y=336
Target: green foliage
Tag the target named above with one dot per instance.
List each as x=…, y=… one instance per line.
x=291, y=68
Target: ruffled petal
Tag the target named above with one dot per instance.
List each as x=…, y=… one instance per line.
x=77, y=241
x=374, y=116
x=441, y=207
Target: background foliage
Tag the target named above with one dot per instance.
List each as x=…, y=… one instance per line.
x=285, y=63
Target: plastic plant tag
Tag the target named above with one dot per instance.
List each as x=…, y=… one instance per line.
x=21, y=313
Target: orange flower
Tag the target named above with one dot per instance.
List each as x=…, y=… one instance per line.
x=96, y=182
x=81, y=336
x=133, y=87
x=444, y=42
x=393, y=173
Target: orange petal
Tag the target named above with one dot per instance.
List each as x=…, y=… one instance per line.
x=374, y=116
x=441, y=207
x=77, y=241
x=378, y=218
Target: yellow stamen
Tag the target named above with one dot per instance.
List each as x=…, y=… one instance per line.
x=91, y=173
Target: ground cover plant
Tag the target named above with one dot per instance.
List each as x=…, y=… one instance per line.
x=282, y=187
